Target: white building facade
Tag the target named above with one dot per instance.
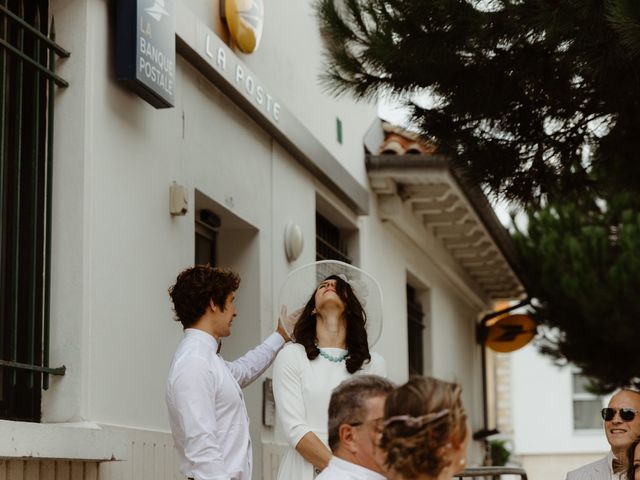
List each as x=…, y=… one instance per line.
x=254, y=164
x=556, y=421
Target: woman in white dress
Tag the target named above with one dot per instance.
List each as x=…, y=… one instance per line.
x=330, y=345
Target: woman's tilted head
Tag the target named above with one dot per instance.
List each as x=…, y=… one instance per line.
x=335, y=293
x=304, y=282
x=425, y=428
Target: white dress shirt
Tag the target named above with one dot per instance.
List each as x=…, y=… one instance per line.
x=339, y=469
x=207, y=414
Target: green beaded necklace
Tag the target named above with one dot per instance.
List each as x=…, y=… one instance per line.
x=333, y=358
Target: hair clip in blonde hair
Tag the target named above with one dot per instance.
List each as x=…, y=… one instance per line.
x=416, y=422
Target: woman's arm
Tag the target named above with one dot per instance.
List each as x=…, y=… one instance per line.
x=314, y=451
x=287, y=391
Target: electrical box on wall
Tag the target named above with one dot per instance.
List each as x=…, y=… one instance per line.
x=178, y=200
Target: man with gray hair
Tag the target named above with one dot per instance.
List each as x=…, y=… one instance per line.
x=356, y=415
x=621, y=422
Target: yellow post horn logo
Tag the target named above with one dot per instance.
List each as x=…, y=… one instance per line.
x=245, y=19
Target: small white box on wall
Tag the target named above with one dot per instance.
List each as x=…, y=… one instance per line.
x=178, y=200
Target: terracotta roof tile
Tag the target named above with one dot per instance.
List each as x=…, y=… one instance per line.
x=399, y=141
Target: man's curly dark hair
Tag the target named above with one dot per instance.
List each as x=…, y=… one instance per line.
x=196, y=286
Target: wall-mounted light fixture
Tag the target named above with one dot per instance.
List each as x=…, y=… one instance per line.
x=293, y=241
x=178, y=200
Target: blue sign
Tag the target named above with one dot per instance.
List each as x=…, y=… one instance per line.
x=146, y=49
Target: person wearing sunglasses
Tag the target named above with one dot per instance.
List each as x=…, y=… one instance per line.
x=356, y=411
x=621, y=421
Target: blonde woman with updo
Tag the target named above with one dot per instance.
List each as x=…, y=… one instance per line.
x=425, y=433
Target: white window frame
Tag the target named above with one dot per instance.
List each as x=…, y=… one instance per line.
x=582, y=397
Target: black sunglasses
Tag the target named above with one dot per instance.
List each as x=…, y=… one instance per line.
x=626, y=414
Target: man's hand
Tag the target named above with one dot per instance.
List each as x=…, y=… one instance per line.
x=289, y=321
x=283, y=332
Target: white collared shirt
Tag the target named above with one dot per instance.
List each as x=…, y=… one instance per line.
x=207, y=414
x=614, y=476
x=339, y=469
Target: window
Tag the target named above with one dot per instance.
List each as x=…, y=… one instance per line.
x=586, y=405
x=27, y=88
x=207, y=225
x=415, y=327
x=330, y=244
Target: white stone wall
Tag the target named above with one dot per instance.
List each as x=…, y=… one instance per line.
x=116, y=249
x=543, y=409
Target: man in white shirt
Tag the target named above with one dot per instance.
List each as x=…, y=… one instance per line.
x=356, y=415
x=207, y=414
x=622, y=427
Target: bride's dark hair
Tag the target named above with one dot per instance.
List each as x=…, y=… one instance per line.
x=357, y=344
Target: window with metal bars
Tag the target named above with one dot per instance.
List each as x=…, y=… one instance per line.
x=27, y=86
x=330, y=244
x=415, y=327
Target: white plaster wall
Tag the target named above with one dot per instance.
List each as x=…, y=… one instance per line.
x=454, y=356
x=288, y=62
x=116, y=249
x=542, y=409
x=67, y=398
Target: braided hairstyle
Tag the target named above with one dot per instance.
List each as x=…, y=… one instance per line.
x=424, y=418
x=305, y=330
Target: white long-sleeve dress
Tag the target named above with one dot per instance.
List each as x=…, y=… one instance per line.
x=302, y=389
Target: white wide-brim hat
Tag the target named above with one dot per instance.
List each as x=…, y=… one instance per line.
x=302, y=282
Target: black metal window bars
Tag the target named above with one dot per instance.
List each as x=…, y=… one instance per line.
x=28, y=83
x=329, y=242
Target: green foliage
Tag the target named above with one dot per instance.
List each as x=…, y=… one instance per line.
x=539, y=102
x=624, y=17
x=532, y=98
x=582, y=262
x=499, y=452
